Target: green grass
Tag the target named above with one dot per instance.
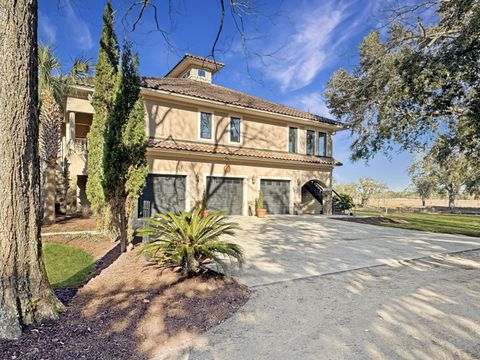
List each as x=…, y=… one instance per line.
x=439, y=223
x=67, y=266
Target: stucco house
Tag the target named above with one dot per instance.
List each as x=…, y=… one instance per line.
x=207, y=139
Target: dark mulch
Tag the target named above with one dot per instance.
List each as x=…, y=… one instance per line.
x=374, y=220
x=130, y=310
x=70, y=223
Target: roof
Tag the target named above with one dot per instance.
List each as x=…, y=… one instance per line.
x=213, y=92
x=193, y=60
x=242, y=152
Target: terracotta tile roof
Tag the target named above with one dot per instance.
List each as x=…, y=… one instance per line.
x=245, y=152
x=207, y=91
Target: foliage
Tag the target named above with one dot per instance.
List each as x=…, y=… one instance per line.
x=260, y=200
x=439, y=223
x=343, y=201
x=204, y=200
x=189, y=241
x=105, y=80
x=419, y=83
x=124, y=162
x=67, y=266
x=423, y=178
x=367, y=187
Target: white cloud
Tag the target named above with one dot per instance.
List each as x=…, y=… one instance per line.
x=47, y=29
x=312, y=102
x=80, y=29
x=309, y=45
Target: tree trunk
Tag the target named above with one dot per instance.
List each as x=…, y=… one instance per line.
x=25, y=294
x=451, y=200
x=49, y=210
x=423, y=202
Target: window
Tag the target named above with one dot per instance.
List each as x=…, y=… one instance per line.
x=310, y=142
x=235, y=129
x=292, y=139
x=187, y=74
x=205, y=125
x=322, y=144
x=201, y=72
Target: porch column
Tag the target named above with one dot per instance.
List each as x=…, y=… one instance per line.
x=327, y=201
x=70, y=131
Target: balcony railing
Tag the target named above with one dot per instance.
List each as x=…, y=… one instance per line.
x=80, y=146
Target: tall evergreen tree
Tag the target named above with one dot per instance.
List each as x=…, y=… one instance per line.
x=106, y=71
x=124, y=162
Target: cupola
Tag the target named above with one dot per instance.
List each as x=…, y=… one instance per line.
x=196, y=68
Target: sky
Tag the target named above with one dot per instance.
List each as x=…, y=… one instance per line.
x=292, y=49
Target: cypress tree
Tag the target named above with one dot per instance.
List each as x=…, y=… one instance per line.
x=106, y=71
x=124, y=162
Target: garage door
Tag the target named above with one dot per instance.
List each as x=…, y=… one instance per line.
x=225, y=194
x=162, y=193
x=276, y=196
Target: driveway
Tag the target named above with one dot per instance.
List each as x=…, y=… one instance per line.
x=283, y=248
x=329, y=289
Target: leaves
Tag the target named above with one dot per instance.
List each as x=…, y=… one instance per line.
x=188, y=240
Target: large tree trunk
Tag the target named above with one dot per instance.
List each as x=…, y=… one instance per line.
x=50, y=184
x=25, y=295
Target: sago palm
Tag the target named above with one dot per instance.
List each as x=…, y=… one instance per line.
x=190, y=241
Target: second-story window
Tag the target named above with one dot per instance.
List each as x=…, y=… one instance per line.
x=235, y=129
x=292, y=139
x=205, y=125
x=322, y=144
x=310, y=142
x=201, y=72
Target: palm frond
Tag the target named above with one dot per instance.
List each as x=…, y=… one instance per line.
x=186, y=239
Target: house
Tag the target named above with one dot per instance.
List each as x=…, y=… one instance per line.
x=207, y=139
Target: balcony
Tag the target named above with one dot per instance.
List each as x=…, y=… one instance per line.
x=80, y=146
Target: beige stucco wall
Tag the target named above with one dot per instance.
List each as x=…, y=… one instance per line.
x=197, y=170
x=181, y=122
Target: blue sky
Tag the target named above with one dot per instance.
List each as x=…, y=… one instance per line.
x=294, y=47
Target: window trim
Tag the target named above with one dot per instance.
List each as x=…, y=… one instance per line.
x=212, y=135
x=240, y=142
x=314, y=141
x=297, y=144
x=317, y=153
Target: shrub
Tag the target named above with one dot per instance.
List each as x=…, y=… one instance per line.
x=189, y=241
x=260, y=200
x=344, y=202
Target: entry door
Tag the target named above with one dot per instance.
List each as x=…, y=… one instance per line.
x=225, y=194
x=162, y=193
x=276, y=196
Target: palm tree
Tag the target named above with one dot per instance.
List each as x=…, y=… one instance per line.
x=53, y=87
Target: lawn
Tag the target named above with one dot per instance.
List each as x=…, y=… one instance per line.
x=67, y=266
x=440, y=223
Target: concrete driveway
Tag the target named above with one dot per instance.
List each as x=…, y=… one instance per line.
x=329, y=289
x=282, y=248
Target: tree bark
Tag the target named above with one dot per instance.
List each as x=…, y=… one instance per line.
x=25, y=294
x=50, y=184
x=423, y=202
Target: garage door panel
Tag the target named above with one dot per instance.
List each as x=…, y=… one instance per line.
x=164, y=192
x=225, y=194
x=276, y=196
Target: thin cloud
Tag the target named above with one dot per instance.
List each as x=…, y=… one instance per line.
x=80, y=29
x=312, y=102
x=311, y=42
x=47, y=29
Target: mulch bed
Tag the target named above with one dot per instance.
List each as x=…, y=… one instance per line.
x=129, y=309
x=70, y=223
x=374, y=220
